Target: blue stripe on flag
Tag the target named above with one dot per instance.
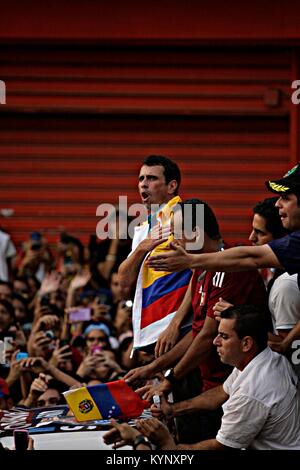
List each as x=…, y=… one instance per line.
x=164, y=285
x=101, y=395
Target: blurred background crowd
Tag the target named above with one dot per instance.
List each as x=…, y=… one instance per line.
x=63, y=320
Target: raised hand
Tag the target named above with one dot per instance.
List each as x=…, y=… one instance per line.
x=87, y=366
x=157, y=432
x=51, y=283
x=149, y=390
x=120, y=435
x=39, y=385
x=60, y=354
x=80, y=280
x=38, y=343
x=15, y=369
x=166, y=340
x=278, y=344
x=143, y=372
x=34, y=364
x=219, y=307
x=164, y=410
x=155, y=237
x=176, y=259
x=46, y=322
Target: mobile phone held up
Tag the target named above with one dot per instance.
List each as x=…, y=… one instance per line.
x=96, y=349
x=21, y=438
x=8, y=343
x=80, y=314
x=21, y=355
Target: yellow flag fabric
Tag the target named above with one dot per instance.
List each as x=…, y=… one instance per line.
x=82, y=404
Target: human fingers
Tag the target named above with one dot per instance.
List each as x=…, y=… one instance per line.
x=111, y=435
x=158, y=347
x=30, y=444
x=156, y=412
x=133, y=375
x=120, y=443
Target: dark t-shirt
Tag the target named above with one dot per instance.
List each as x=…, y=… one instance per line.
x=236, y=288
x=287, y=250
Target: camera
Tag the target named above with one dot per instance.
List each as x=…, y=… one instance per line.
x=50, y=334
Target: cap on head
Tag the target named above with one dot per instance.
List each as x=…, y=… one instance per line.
x=290, y=183
x=97, y=326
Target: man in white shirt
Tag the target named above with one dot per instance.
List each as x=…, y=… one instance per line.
x=261, y=399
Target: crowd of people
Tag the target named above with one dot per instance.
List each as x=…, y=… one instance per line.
x=206, y=332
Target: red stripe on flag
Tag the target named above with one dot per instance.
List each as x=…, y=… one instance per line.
x=128, y=400
x=162, y=307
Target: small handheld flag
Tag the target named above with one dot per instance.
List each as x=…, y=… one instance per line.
x=105, y=401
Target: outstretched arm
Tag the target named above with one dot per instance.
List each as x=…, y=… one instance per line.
x=209, y=400
x=240, y=258
x=206, y=401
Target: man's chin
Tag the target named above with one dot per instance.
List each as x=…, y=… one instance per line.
x=286, y=224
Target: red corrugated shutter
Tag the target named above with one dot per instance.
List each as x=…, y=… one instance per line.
x=78, y=122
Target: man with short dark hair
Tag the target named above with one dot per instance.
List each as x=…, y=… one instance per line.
x=266, y=223
x=261, y=400
x=156, y=298
x=266, y=226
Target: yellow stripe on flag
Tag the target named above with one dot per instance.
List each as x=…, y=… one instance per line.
x=165, y=216
x=82, y=404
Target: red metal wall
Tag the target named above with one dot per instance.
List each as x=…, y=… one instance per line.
x=79, y=120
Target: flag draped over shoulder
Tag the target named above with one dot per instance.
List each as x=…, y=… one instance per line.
x=158, y=294
x=105, y=401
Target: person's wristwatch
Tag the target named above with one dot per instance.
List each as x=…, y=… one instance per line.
x=140, y=439
x=169, y=375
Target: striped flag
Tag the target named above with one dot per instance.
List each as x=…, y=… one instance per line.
x=161, y=299
x=105, y=401
x=158, y=294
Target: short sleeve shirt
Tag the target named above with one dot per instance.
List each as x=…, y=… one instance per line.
x=262, y=411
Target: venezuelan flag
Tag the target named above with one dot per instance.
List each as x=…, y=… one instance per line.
x=105, y=401
x=164, y=296
x=158, y=294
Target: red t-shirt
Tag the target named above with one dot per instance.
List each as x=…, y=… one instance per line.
x=237, y=288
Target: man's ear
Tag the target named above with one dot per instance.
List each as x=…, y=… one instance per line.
x=172, y=187
x=247, y=343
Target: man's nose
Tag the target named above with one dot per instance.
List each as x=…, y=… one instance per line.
x=278, y=202
x=216, y=340
x=252, y=236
